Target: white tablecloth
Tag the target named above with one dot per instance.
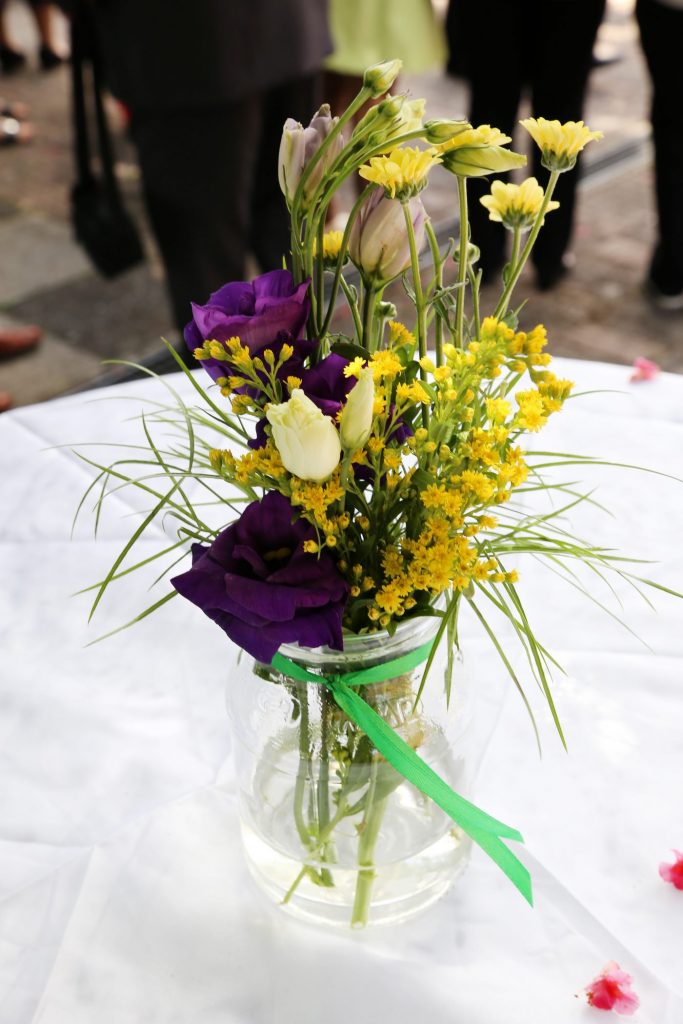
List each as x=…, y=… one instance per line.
x=124, y=897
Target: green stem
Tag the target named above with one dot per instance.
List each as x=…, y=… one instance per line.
x=323, y=790
x=516, y=238
x=419, y=299
x=475, y=282
x=515, y=271
x=303, y=771
x=369, y=297
x=342, y=256
x=462, y=262
x=438, y=271
x=323, y=837
x=320, y=274
x=372, y=822
x=353, y=306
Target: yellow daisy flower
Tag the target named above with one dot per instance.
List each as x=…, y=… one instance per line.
x=484, y=135
x=475, y=152
x=402, y=173
x=516, y=206
x=332, y=241
x=560, y=144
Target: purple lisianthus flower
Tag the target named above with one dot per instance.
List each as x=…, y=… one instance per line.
x=264, y=313
x=261, y=587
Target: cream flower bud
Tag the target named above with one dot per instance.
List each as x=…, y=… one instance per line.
x=299, y=145
x=356, y=418
x=378, y=243
x=307, y=440
x=380, y=77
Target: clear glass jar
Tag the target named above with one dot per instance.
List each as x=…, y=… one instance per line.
x=333, y=833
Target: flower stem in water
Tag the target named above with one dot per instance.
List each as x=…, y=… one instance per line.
x=372, y=822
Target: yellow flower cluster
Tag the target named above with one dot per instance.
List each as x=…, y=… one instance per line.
x=434, y=561
x=315, y=500
x=537, y=404
x=259, y=468
x=402, y=172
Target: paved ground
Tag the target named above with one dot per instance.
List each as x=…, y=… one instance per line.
x=597, y=313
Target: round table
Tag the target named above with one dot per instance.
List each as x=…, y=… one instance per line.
x=124, y=895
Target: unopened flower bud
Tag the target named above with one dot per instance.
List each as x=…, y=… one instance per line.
x=444, y=129
x=473, y=254
x=387, y=310
x=378, y=244
x=356, y=418
x=390, y=107
x=299, y=145
x=380, y=77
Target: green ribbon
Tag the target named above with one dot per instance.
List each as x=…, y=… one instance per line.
x=483, y=829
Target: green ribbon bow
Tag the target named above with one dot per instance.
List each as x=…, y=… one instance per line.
x=483, y=829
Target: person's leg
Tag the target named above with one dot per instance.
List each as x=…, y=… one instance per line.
x=197, y=170
x=661, y=30
x=44, y=15
x=565, y=34
x=269, y=222
x=10, y=58
x=496, y=84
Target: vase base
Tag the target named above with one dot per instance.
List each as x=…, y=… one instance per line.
x=400, y=889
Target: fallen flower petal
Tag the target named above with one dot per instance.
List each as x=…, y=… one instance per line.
x=673, y=872
x=611, y=990
x=644, y=369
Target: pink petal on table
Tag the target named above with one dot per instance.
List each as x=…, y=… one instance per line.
x=643, y=369
x=611, y=990
x=673, y=872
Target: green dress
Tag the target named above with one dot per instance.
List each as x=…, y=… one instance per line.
x=365, y=32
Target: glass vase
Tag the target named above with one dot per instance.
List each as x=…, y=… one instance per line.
x=331, y=831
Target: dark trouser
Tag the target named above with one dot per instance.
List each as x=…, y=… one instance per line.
x=211, y=188
x=661, y=32
x=546, y=45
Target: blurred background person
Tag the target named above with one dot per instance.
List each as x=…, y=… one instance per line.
x=661, y=34
x=365, y=32
x=11, y=58
x=547, y=47
x=208, y=86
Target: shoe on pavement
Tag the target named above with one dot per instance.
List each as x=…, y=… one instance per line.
x=667, y=302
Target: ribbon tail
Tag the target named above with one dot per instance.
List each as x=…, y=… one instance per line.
x=480, y=826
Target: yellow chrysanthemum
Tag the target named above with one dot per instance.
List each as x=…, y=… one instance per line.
x=402, y=172
x=484, y=135
x=559, y=143
x=476, y=152
x=516, y=206
x=332, y=241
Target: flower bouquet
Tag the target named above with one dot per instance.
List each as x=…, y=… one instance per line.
x=351, y=492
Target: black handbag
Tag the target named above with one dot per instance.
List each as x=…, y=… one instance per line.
x=101, y=223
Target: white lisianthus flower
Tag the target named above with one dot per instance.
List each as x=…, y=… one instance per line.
x=307, y=440
x=356, y=417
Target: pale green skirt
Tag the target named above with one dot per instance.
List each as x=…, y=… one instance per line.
x=365, y=32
